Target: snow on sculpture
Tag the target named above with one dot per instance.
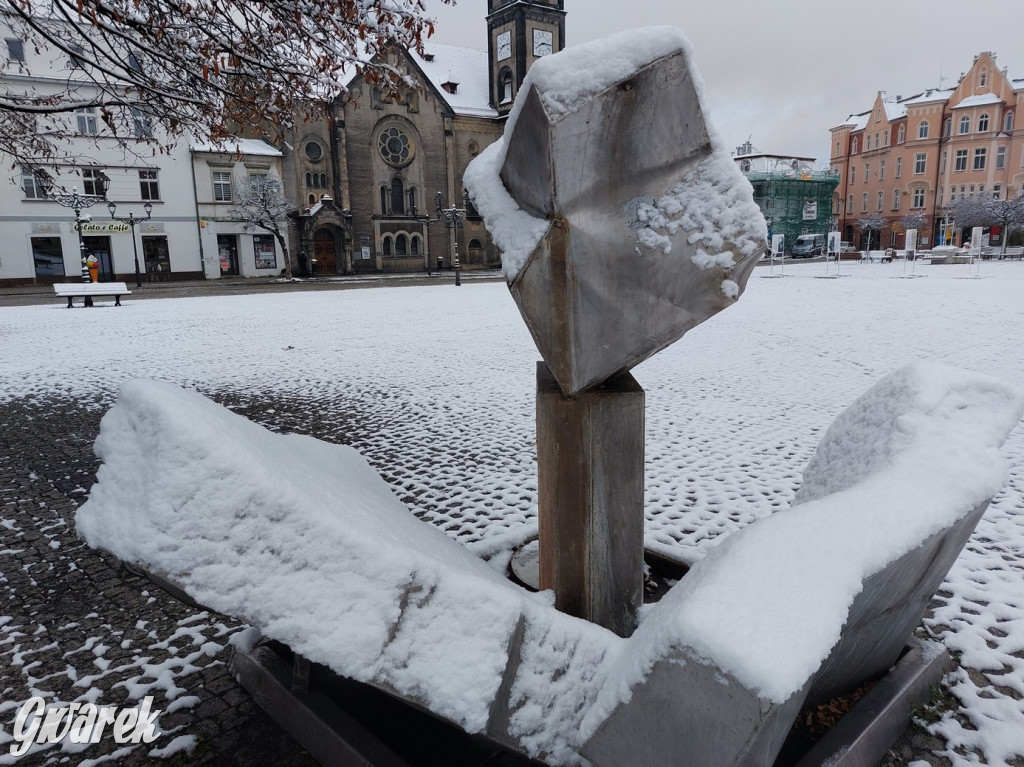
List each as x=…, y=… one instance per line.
x=320, y=555
x=622, y=224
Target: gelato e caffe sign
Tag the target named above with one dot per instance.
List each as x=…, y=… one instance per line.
x=104, y=228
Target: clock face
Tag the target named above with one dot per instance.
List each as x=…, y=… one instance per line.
x=541, y=42
x=504, y=45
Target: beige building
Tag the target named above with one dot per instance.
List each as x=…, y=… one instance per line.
x=913, y=155
x=366, y=178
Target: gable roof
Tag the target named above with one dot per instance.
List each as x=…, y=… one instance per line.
x=977, y=101
x=467, y=67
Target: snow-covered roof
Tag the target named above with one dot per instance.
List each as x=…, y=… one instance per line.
x=244, y=146
x=858, y=121
x=977, y=101
x=467, y=67
x=894, y=110
x=928, y=97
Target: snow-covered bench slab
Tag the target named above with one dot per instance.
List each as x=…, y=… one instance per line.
x=88, y=290
x=320, y=555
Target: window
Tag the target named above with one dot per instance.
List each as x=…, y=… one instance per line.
x=881, y=170
x=263, y=250
x=505, y=87
x=414, y=245
x=222, y=186
x=853, y=174
x=1000, y=158
x=885, y=139
x=401, y=245
x=867, y=171
x=156, y=255
x=412, y=200
x=895, y=199
x=384, y=200
x=395, y=146
x=853, y=146
x=92, y=182
x=1009, y=122
x=849, y=204
x=864, y=203
x=942, y=165
x=142, y=123
x=982, y=79
x=938, y=200
x=997, y=192
x=881, y=200
x=86, y=119
x=77, y=52
x=960, y=162
x=983, y=124
x=947, y=129
x=385, y=246
x=257, y=180
x=899, y=167
x=965, y=124
x=33, y=183
x=920, y=160
x=901, y=134
x=745, y=166
x=309, y=179
x=876, y=141
x=313, y=151
x=16, y=52
x=397, y=197
x=149, y=187
x=922, y=129
x=918, y=198
x=979, y=158
x=48, y=257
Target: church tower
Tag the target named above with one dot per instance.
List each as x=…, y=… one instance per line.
x=518, y=33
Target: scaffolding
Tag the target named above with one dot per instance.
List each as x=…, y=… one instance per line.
x=794, y=201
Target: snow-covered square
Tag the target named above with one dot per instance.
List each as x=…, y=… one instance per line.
x=434, y=385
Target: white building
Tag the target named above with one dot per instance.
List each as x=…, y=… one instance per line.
x=229, y=247
x=39, y=242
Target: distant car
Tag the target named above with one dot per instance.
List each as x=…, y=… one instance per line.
x=845, y=247
x=808, y=245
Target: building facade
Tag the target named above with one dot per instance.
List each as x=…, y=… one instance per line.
x=369, y=175
x=794, y=197
x=364, y=180
x=908, y=157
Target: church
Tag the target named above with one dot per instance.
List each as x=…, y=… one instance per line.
x=367, y=176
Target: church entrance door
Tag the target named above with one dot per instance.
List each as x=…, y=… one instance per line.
x=324, y=252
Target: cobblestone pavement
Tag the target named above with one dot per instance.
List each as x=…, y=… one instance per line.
x=80, y=626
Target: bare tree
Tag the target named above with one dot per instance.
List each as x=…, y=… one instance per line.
x=985, y=210
x=204, y=68
x=914, y=221
x=873, y=223
x=260, y=202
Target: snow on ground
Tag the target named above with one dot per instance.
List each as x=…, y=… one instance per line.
x=434, y=385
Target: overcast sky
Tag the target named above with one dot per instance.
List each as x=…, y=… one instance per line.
x=783, y=72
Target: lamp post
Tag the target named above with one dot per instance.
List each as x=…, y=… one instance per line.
x=132, y=221
x=454, y=218
x=77, y=203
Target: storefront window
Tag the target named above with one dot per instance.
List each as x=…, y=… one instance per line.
x=48, y=257
x=158, y=259
x=263, y=247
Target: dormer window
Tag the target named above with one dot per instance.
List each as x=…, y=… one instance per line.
x=983, y=79
x=450, y=85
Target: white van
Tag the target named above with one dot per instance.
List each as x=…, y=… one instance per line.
x=808, y=245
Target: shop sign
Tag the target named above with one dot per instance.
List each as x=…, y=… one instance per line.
x=113, y=227
x=45, y=228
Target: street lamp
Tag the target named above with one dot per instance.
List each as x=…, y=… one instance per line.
x=454, y=218
x=132, y=221
x=77, y=203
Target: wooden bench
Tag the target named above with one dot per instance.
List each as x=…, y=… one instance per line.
x=87, y=290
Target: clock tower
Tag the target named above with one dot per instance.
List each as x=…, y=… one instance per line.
x=518, y=33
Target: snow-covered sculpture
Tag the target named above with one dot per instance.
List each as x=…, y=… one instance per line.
x=622, y=224
x=321, y=556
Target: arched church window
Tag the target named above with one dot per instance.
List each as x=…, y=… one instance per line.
x=415, y=245
x=323, y=180
x=309, y=179
x=397, y=197
x=505, y=87
x=412, y=199
x=384, y=200
x=401, y=245
x=385, y=246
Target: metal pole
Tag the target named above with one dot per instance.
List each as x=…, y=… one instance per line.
x=135, y=250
